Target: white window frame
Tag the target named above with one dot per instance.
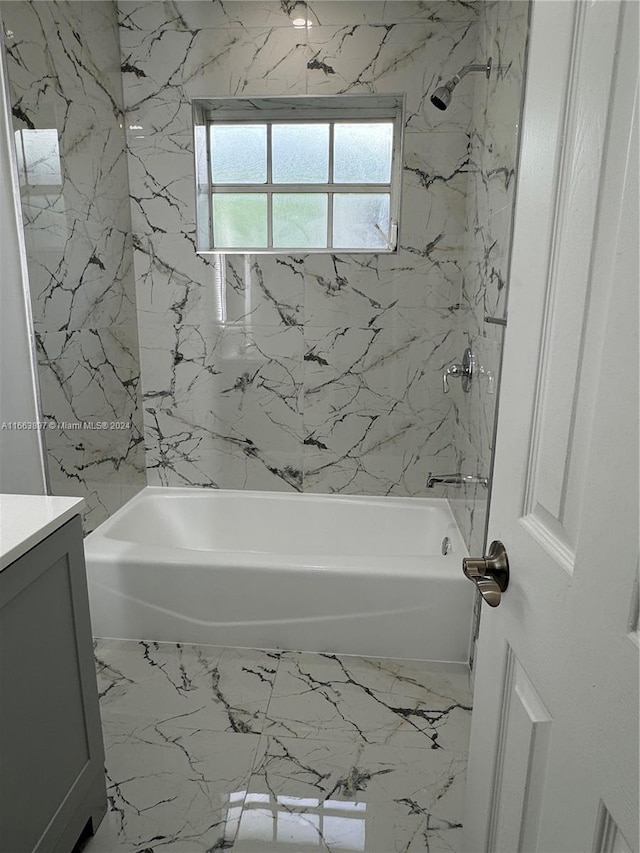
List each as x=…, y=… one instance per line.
x=295, y=110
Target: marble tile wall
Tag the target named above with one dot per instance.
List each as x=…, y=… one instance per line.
x=503, y=28
x=64, y=71
x=317, y=373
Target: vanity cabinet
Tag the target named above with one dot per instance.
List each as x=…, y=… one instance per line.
x=52, y=780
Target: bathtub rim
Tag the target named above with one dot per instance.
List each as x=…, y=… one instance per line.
x=102, y=547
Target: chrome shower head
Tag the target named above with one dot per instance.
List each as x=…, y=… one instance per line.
x=441, y=98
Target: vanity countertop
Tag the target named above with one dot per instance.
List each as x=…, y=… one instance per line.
x=26, y=520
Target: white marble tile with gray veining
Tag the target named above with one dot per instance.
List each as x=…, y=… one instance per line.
x=213, y=748
x=365, y=701
x=64, y=78
x=371, y=414
x=309, y=795
x=492, y=166
x=181, y=50
x=227, y=392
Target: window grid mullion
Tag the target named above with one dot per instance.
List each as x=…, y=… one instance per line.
x=269, y=183
x=210, y=179
x=330, y=194
x=301, y=188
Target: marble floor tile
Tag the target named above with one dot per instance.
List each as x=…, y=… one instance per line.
x=367, y=701
x=194, y=687
x=170, y=788
x=309, y=795
x=211, y=749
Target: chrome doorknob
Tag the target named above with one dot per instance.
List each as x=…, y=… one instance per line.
x=490, y=573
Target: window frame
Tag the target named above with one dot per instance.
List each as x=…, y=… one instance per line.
x=326, y=109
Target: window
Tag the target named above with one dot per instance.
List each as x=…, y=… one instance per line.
x=308, y=174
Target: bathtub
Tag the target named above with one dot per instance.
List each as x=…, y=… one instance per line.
x=323, y=573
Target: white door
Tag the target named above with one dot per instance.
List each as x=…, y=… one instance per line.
x=554, y=744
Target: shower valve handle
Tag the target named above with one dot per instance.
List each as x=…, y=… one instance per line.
x=452, y=370
x=463, y=370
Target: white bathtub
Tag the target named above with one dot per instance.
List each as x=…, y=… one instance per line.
x=282, y=571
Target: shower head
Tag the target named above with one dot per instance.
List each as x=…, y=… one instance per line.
x=441, y=98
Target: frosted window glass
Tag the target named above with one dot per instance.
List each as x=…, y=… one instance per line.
x=300, y=220
x=300, y=153
x=240, y=219
x=362, y=153
x=200, y=142
x=361, y=220
x=239, y=154
x=41, y=157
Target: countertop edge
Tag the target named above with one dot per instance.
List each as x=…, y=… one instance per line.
x=25, y=520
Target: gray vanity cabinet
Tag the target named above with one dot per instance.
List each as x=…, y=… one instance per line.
x=51, y=751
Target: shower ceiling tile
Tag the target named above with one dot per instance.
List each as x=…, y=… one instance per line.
x=325, y=796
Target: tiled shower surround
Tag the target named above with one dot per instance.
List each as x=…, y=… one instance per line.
x=493, y=152
x=316, y=373
x=63, y=61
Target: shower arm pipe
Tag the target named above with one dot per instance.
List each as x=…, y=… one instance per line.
x=470, y=69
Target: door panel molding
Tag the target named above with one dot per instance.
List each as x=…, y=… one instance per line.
x=608, y=838
x=523, y=751
x=555, y=479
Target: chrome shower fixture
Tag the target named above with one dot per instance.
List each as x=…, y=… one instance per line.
x=441, y=98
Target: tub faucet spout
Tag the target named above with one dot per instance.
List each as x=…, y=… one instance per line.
x=456, y=480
